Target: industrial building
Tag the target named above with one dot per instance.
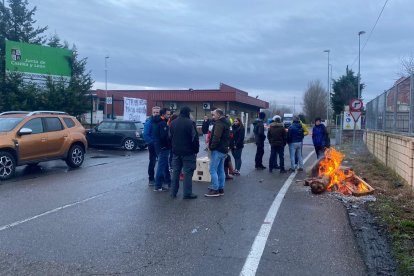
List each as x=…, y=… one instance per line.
x=231, y=100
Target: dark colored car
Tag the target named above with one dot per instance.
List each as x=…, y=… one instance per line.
x=126, y=134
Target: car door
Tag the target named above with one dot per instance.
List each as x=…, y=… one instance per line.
x=123, y=130
x=102, y=135
x=32, y=146
x=56, y=136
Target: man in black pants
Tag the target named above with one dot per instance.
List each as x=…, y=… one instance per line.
x=151, y=150
x=185, y=146
x=259, y=138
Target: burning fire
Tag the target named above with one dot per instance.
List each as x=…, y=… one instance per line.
x=344, y=181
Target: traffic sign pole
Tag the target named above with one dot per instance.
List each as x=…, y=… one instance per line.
x=355, y=107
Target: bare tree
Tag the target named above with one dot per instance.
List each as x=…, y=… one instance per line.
x=315, y=100
x=277, y=109
x=407, y=66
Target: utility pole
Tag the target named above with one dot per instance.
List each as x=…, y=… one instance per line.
x=106, y=87
x=327, y=90
x=359, y=81
x=359, y=63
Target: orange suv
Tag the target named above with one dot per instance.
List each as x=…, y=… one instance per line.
x=27, y=138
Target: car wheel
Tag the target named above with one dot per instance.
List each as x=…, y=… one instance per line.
x=75, y=157
x=142, y=147
x=129, y=144
x=7, y=165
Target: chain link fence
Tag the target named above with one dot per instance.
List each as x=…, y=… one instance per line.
x=393, y=111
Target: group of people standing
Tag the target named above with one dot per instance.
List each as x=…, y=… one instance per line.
x=173, y=142
x=278, y=136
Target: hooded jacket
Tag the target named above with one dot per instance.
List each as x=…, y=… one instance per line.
x=277, y=135
x=258, y=131
x=320, y=136
x=220, y=136
x=160, y=133
x=295, y=133
x=148, y=131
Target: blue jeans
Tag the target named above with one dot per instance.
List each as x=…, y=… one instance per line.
x=186, y=163
x=217, y=170
x=274, y=153
x=163, y=173
x=295, y=149
x=237, y=153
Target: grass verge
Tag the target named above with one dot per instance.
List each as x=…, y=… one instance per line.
x=394, y=206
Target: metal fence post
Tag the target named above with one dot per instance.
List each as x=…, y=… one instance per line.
x=341, y=126
x=384, y=112
x=377, y=113
x=394, y=125
x=411, y=111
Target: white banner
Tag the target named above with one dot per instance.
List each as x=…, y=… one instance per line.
x=135, y=109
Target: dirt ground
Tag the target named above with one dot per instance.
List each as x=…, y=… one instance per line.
x=383, y=222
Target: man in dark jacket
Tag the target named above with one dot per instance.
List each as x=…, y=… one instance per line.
x=277, y=138
x=219, y=146
x=185, y=146
x=259, y=138
x=237, y=144
x=150, y=142
x=162, y=147
x=204, y=129
x=295, y=138
x=320, y=138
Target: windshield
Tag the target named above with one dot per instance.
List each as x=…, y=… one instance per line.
x=8, y=123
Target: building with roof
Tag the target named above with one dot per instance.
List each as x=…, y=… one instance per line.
x=231, y=100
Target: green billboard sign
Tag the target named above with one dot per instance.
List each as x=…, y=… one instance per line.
x=36, y=61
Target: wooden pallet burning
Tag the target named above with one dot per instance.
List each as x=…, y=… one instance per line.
x=329, y=175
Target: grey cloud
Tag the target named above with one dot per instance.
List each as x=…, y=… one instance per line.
x=272, y=48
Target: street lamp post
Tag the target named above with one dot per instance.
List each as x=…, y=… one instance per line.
x=359, y=80
x=359, y=63
x=106, y=86
x=327, y=89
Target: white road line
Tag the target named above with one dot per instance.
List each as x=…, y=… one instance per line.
x=50, y=212
x=255, y=254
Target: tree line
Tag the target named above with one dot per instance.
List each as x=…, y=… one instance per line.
x=344, y=89
x=17, y=24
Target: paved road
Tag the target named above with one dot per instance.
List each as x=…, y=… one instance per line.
x=104, y=219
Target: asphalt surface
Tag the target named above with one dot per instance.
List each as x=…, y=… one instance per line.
x=104, y=219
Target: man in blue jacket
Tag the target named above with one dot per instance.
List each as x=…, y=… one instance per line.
x=151, y=150
x=320, y=138
x=295, y=139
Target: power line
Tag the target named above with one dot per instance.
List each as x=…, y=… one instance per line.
x=372, y=30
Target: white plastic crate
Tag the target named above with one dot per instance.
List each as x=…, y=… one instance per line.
x=202, y=171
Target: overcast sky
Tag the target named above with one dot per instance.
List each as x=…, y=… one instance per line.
x=272, y=49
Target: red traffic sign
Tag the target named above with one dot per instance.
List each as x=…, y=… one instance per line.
x=355, y=115
x=356, y=105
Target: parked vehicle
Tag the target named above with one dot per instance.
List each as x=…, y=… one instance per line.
x=287, y=119
x=125, y=134
x=38, y=136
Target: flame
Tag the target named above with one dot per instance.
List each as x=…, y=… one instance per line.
x=339, y=180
